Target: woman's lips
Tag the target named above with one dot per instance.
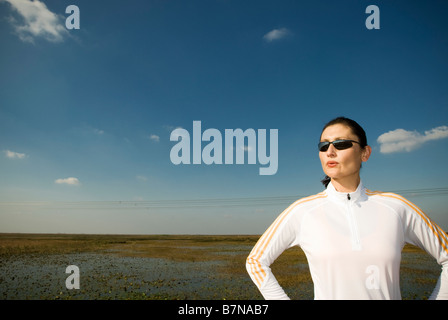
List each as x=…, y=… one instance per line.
x=332, y=164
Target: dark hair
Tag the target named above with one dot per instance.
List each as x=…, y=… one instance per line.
x=356, y=129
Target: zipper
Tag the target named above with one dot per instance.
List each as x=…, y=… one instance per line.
x=356, y=243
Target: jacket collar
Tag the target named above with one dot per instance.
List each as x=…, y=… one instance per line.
x=358, y=195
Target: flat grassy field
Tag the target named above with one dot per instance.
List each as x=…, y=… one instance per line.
x=33, y=266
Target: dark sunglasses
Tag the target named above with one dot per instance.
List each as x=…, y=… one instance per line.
x=338, y=144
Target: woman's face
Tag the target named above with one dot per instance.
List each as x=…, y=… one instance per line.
x=342, y=165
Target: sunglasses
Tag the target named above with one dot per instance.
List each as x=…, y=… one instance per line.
x=338, y=144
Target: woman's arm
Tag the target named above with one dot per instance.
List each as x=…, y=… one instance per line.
x=280, y=236
x=423, y=232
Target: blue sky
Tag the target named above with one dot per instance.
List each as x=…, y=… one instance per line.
x=86, y=114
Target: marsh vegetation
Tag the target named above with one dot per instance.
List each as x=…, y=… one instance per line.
x=32, y=266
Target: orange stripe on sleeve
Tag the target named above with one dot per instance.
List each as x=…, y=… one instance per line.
x=438, y=232
x=254, y=257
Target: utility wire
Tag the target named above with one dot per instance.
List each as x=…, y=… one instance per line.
x=198, y=203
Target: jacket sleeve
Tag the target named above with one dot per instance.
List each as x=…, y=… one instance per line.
x=280, y=236
x=421, y=231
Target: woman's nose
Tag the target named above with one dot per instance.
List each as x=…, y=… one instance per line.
x=331, y=152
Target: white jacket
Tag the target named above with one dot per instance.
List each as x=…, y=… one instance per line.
x=353, y=244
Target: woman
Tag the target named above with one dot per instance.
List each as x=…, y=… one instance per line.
x=352, y=237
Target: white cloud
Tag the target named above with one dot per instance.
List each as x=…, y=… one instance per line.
x=401, y=140
x=70, y=181
x=154, y=137
x=276, y=34
x=141, y=178
x=37, y=21
x=14, y=155
x=98, y=131
x=247, y=149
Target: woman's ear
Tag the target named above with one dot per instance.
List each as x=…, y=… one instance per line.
x=366, y=152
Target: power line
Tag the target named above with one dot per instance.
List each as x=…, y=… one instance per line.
x=197, y=203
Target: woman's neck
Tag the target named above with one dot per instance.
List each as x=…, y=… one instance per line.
x=346, y=185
